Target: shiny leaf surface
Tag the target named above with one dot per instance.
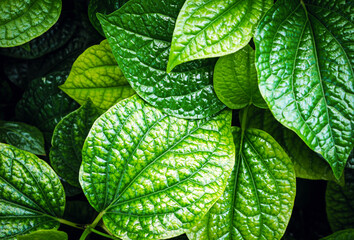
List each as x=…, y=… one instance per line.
x=154, y=175
x=140, y=35
x=214, y=28
x=23, y=20
x=259, y=196
x=235, y=80
x=22, y=136
x=45, y=235
x=304, y=61
x=96, y=75
x=68, y=138
x=347, y=234
x=31, y=195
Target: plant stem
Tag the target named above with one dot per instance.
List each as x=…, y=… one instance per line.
x=90, y=228
x=85, y=233
x=103, y=234
x=66, y=222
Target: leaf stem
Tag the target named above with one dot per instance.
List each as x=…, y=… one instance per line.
x=90, y=228
x=103, y=234
x=66, y=222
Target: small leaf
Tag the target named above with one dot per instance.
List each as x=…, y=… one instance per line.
x=259, y=196
x=347, y=234
x=67, y=141
x=31, y=196
x=22, y=136
x=152, y=175
x=214, y=28
x=304, y=62
x=96, y=75
x=235, y=80
x=21, y=21
x=140, y=35
x=45, y=235
x=340, y=205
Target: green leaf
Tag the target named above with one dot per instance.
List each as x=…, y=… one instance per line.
x=21, y=21
x=43, y=104
x=140, y=35
x=340, y=205
x=235, y=80
x=152, y=175
x=104, y=7
x=307, y=163
x=67, y=141
x=304, y=61
x=259, y=196
x=347, y=234
x=214, y=28
x=96, y=75
x=31, y=196
x=22, y=136
x=45, y=235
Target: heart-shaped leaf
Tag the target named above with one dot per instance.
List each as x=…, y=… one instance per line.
x=152, y=175
x=304, y=61
x=67, y=141
x=96, y=75
x=31, y=196
x=21, y=21
x=214, y=28
x=259, y=195
x=140, y=35
x=235, y=80
x=45, y=235
x=22, y=136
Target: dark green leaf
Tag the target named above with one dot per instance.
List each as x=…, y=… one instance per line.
x=45, y=235
x=22, y=136
x=305, y=61
x=140, y=35
x=347, y=234
x=152, y=175
x=31, y=196
x=68, y=138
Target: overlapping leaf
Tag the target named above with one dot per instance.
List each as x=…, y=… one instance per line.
x=45, y=235
x=96, y=75
x=22, y=136
x=214, y=28
x=68, y=138
x=23, y=20
x=259, y=195
x=235, y=80
x=31, y=196
x=347, y=234
x=140, y=35
x=152, y=175
x=305, y=63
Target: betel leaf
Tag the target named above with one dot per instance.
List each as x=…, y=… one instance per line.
x=31, y=196
x=259, y=195
x=23, y=20
x=140, y=35
x=67, y=141
x=235, y=80
x=307, y=163
x=347, y=234
x=340, y=205
x=22, y=136
x=304, y=61
x=152, y=175
x=45, y=235
x=214, y=28
x=96, y=75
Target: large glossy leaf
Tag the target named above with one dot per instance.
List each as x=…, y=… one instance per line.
x=96, y=75
x=140, y=35
x=31, y=196
x=22, y=136
x=23, y=20
x=304, y=61
x=45, y=235
x=259, y=196
x=68, y=138
x=347, y=234
x=340, y=205
x=152, y=175
x=214, y=28
x=43, y=104
x=307, y=163
x=235, y=80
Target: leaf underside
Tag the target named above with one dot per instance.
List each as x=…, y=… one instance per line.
x=308, y=87
x=151, y=174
